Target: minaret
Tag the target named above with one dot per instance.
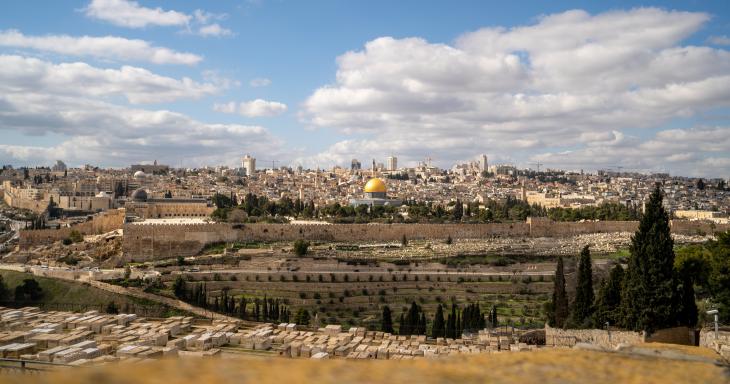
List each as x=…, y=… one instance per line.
x=524, y=193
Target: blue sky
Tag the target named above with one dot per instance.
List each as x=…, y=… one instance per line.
x=467, y=95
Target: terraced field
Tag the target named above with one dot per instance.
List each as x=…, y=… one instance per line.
x=355, y=297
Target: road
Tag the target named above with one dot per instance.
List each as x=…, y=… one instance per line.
x=129, y=291
x=341, y=272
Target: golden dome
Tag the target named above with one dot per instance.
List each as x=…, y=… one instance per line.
x=374, y=185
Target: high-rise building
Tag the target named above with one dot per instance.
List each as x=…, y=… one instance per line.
x=392, y=163
x=483, y=164
x=249, y=164
x=355, y=165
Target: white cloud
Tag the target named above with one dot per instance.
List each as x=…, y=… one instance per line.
x=260, y=82
x=137, y=85
x=254, y=108
x=105, y=47
x=102, y=133
x=203, y=17
x=214, y=30
x=701, y=151
x=571, y=80
x=719, y=40
x=132, y=15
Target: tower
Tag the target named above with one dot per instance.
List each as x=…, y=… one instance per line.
x=355, y=165
x=249, y=164
x=483, y=164
x=392, y=163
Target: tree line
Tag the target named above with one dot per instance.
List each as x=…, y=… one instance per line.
x=264, y=309
x=27, y=291
x=254, y=208
x=458, y=321
x=657, y=288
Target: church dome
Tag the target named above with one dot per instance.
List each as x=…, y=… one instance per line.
x=139, y=175
x=375, y=186
x=139, y=195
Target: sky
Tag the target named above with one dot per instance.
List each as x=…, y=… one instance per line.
x=573, y=85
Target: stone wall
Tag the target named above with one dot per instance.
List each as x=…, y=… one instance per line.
x=101, y=223
x=676, y=335
x=721, y=344
x=600, y=337
x=147, y=242
x=543, y=227
x=697, y=227
x=557, y=337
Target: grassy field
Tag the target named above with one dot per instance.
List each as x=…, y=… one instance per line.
x=544, y=367
x=72, y=296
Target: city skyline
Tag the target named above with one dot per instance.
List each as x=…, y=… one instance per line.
x=569, y=85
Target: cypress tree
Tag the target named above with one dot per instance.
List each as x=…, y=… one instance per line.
x=649, y=297
x=413, y=318
x=387, y=323
x=402, y=325
x=608, y=302
x=583, y=304
x=560, y=297
x=458, y=211
x=493, y=317
x=687, y=314
x=422, y=324
x=450, y=326
x=302, y=317
x=266, y=308
x=439, y=328
x=242, y=309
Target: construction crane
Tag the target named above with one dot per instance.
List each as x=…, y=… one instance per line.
x=273, y=163
x=538, y=164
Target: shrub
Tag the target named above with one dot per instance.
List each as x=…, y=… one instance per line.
x=112, y=308
x=301, y=247
x=76, y=236
x=67, y=241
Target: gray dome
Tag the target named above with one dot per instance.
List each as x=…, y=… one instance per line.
x=139, y=195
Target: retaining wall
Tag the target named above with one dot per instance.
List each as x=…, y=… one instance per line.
x=101, y=223
x=147, y=242
x=721, y=344
x=569, y=337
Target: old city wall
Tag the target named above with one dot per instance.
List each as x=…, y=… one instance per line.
x=541, y=227
x=697, y=227
x=36, y=206
x=104, y=222
x=144, y=242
